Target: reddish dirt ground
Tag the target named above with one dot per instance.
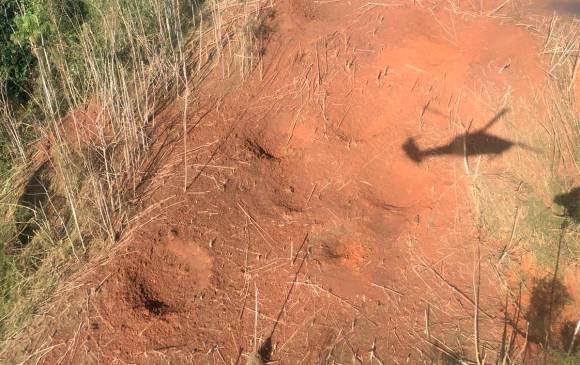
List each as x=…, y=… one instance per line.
x=306, y=228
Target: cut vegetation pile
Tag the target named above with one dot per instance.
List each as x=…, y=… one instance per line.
x=297, y=181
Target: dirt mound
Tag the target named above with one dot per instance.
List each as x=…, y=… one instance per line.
x=305, y=221
x=165, y=280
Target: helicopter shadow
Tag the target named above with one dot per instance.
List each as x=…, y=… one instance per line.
x=478, y=142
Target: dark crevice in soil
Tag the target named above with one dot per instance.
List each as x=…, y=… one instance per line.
x=260, y=151
x=145, y=298
x=155, y=307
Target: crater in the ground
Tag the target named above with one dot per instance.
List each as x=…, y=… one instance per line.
x=167, y=276
x=145, y=299
x=260, y=151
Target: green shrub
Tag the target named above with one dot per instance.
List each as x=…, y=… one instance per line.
x=17, y=62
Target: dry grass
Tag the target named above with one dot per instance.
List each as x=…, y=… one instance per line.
x=92, y=189
x=134, y=59
x=515, y=196
x=516, y=203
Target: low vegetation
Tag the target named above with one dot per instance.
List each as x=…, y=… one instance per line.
x=80, y=85
x=531, y=204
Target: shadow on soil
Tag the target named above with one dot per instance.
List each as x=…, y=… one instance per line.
x=570, y=201
x=569, y=333
x=265, y=350
x=548, y=300
x=474, y=143
x=34, y=197
x=569, y=7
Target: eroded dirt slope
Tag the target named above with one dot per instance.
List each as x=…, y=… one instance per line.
x=326, y=216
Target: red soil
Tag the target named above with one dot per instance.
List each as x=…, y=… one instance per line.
x=301, y=203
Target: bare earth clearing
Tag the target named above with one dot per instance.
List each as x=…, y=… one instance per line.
x=327, y=215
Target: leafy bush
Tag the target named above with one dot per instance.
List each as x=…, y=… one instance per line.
x=25, y=26
x=17, y=62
